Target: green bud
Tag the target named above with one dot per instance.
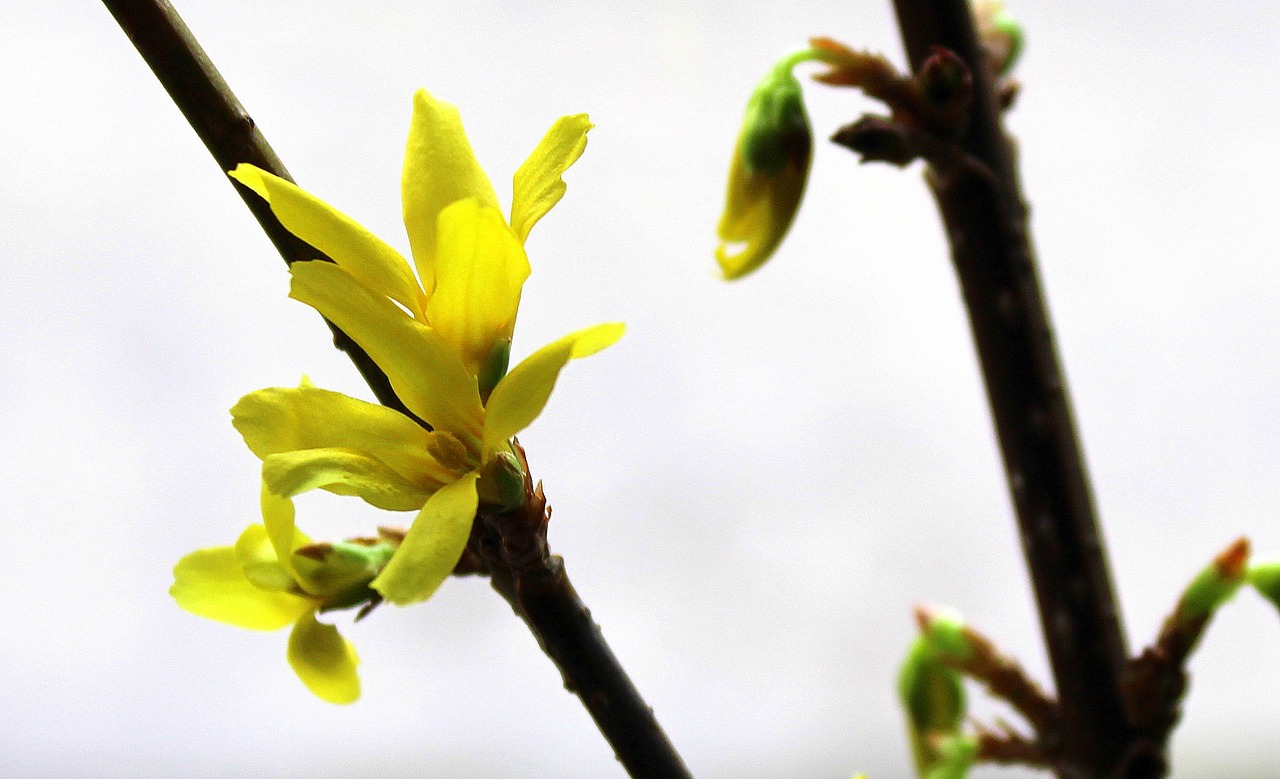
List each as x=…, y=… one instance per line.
x=494, y=367
x=1000, y=33
x=502, y=482
x=1216, y=584
x=346, y=568
x=932, y=693
x=946, y=633
x=1265, y=578
x=775, y=131
x=956, y=756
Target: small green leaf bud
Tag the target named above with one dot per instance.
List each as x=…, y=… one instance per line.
x=932, y=693
x=1265, y=578
x=946, y=633
x=502, y=483
x=1001, y=35
x=1216, y=584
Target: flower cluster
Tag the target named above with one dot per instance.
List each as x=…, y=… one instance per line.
x=443, y=338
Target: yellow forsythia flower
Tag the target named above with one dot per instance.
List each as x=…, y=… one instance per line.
x=443, y=339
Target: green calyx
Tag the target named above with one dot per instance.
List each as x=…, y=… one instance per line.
x=775, y=131
x=345, y=569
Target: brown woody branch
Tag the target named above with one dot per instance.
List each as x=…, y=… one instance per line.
x=986, y=223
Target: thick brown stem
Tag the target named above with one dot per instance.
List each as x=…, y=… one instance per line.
x=986, y=223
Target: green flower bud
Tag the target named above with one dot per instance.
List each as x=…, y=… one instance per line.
x=775, y=130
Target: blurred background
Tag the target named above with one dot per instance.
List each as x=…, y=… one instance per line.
x=751, y=490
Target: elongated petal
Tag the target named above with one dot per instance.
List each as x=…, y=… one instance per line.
x=324, y=661
x=433, y=545
x=480, y=270
x=439, y=169
x=537, y=185
x=343, y=472
x=358, y=251
x=259, y=562
x=758, y=212
x=211, y=583
x=424, y=370
x=520, y=396
x=286, y=419
x=278, y=518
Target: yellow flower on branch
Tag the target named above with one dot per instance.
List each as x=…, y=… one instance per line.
x=442, y=337
x=274, y=576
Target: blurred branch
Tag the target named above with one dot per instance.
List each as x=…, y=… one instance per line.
x=986, y=222
x=522, y=569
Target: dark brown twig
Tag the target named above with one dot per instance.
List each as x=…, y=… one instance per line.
x=986, y=223
x=522, y=569
x=230, y=135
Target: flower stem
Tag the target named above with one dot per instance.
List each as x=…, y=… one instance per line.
x=986, y=223
x=229, y=133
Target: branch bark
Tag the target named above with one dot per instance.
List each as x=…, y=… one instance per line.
x=986, y=223
x=537, y=586
x=230, y=135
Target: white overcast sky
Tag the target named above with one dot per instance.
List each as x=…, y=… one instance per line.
x=751, y=490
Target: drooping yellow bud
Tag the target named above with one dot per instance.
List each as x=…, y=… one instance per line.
x=768, y=173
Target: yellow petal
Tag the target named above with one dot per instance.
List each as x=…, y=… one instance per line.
x=278, y=517
x=259, y=562
x=480, y=269
x=758, y=212
x=358, y=251
x=285, y=419
x=538, y=185
x=520, y=396
x=343, y=472
x=439, y=169
x=424, y=370
x=324, y=661
x=211, y=583
x=433, y=545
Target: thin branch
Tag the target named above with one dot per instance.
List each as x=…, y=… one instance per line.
x=230, y=135
x=521, y=567
x=512, y=547
x=986, y=223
